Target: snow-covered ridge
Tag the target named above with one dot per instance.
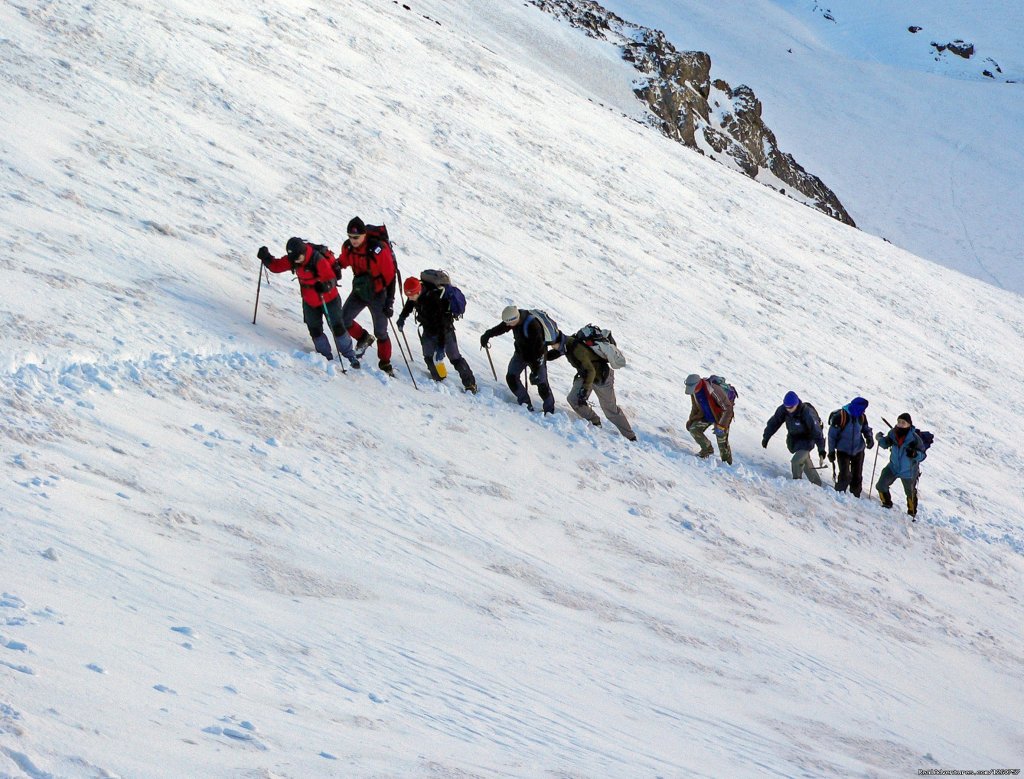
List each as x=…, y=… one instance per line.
x=222, y=558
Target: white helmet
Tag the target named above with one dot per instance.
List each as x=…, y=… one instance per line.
x=510, y=315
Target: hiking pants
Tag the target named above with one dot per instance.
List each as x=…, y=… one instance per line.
x=802, y=463
x=605, y=391
x=697, y=431
x=512, y=377
x=851, y=472
x=354, y=306
x=446, y=344
x=313, y=316
x=886, y=480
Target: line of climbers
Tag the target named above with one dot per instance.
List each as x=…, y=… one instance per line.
x=436, y=303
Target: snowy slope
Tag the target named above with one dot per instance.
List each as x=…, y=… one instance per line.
x=222, y=559
x=920, y=147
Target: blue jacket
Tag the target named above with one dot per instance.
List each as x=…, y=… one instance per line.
x=802, y=430
x=852, y=437
x=905, y=457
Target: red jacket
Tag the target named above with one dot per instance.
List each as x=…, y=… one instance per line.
x=308, y=273
x=373, y=257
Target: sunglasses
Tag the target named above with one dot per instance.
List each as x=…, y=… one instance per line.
x=354, y=236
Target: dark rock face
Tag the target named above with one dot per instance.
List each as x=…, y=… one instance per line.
x=708, y=116
x=958, y=47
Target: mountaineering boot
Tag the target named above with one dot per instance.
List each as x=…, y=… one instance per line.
x=385, y=365
x=886, y=499
x=471, y=388
x=631, y=437
x=705, y=453
x=354, y=363
x=364, y=343
x=595, y=422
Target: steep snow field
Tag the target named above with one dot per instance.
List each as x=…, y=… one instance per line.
x=221, y=558
x=920, y=147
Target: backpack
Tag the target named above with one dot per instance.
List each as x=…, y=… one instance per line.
x=378, y=234
x=602, y=344
x=451, y=293
x=552, y=335
x=335, y=263
x=730, y=391
x=814, y=415
x=926, y=439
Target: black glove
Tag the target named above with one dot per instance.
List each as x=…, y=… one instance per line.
x=484, y=339
x=581, y=396
x=533, y=377
x=869, y=444
x=553, y=354
x=264, y=255
x=764, y=443
x=389, y=309
x=911, y=452
x=323, y=286
x=832, y=457
x=401, y=323
x=879, y=437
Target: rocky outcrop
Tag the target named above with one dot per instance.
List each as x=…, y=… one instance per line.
x=709, y=116
x=957, y=47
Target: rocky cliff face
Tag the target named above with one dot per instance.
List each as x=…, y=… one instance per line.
x=709, y=116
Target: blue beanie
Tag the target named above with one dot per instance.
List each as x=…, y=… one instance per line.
x=791, y=399
x=857, y=406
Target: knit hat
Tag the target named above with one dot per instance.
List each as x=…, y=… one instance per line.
x=509, y=314
x=906, y=417
x=691, y=383
x=296, y=249
x=356, y=226
x=791, y=399
x=412, y=286
x=857, y=406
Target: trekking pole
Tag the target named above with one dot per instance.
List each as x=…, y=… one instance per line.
x=877, y=450
x=330, y=327
x=259, y=283
x=494, y=372
x=406, y=359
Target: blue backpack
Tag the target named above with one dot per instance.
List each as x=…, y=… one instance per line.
x=456, y=301
x=552, y=335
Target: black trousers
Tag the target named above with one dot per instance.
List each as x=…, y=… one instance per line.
x=851, y=472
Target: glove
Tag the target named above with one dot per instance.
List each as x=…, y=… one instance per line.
x=484, y=340
x=719, y=432
x=533, y=378
x=821, y=457
x=764, y=443
x=323, y=286
x=553, y=354
x=912, y=452
x=400, y=324
x=831, y=457
x=264, y=255
x=389, y=309
x=869, y=444
x=581, y=396
x=879, y=437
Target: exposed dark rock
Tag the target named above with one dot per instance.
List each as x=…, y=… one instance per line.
x=688, y=107
x=914, y=28
x=958, y=47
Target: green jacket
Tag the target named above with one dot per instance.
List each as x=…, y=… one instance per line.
x=588, y=365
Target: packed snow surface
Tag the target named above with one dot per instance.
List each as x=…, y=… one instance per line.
x=222, y=557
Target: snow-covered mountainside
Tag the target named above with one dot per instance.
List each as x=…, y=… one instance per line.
x=918, y=143
x=222, y=558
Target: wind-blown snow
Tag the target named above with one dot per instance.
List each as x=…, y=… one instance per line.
x=222, y=558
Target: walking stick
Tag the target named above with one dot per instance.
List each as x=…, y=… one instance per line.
x=330, y=327
x=263, y=269
x=877, y=450
x=494, y=372
x=406, y=359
